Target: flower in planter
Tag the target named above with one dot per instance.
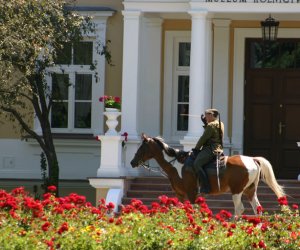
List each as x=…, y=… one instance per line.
x=125, y=140
x=111, y=101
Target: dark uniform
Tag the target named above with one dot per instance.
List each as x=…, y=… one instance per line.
x=209, y=144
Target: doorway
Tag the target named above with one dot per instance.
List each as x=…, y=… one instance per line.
x=272, y=104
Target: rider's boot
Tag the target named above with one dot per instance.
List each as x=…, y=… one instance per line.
x=204, y=182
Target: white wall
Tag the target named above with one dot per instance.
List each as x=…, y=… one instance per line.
x=21, y=159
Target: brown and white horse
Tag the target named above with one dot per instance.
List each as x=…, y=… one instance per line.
x=240, y=175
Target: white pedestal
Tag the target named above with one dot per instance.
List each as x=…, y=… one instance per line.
x=112, y=122
x=115, y=189
x=111, y=157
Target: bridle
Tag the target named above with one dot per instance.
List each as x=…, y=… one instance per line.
x=154, y=169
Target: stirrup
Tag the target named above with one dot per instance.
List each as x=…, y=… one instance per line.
x=204, y=190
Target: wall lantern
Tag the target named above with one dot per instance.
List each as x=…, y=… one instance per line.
x=269, y=29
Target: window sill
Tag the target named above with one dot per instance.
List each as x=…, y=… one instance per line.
x=65, y=139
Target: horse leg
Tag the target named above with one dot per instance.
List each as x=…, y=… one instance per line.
x=251, y=194
x=238, y=205
x=255, y=203
x=190, y=183
x=180, y=197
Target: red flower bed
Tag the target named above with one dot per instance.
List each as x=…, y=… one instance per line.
x=73, y=223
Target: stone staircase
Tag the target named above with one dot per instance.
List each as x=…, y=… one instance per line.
x=148, y=189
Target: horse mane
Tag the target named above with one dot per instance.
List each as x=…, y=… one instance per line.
x=169, y=151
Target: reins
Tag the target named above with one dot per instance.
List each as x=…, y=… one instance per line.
x=154, y=169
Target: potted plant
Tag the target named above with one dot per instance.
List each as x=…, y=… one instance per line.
x=111, y=103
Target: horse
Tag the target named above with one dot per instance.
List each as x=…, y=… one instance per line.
x=240, y=174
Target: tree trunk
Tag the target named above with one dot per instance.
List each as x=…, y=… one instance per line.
x=50, y=152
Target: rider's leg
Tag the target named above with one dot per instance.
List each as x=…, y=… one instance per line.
x=203, y=158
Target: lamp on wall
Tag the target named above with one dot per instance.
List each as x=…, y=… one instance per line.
x=269, y=29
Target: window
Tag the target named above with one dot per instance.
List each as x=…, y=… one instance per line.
x=182, y=103
x=282, y=54
x=72, y=88
x=76, y=86
x=182, y=85
x=176, y=84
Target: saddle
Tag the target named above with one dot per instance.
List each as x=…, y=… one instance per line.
x=182, y=155
x=211, y=167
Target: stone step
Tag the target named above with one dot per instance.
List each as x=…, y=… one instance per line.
x=148, y=189
x=261, y=196
x=218, y=205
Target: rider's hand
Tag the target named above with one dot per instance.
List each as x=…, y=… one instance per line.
x=203, y=119
x=195, y=152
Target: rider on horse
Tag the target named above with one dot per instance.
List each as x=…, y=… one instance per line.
x=209, y=145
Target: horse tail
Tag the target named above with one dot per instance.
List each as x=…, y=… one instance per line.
x=268, y=176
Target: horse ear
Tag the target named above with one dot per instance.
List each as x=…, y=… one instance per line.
x=143, y=136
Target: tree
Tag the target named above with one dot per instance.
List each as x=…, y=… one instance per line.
x=33, y=34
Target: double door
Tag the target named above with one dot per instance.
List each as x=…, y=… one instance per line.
x=272, y=117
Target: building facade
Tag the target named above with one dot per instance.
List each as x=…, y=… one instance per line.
x=172, y=60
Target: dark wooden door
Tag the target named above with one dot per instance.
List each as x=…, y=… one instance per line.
x=272, y=117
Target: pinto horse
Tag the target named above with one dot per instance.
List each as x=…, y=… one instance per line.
x=240, y=174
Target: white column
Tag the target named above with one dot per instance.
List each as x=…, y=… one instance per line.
x=150, y=77
x=221, y=73
x=198, y=93
x=130, y=86
x=130, y=80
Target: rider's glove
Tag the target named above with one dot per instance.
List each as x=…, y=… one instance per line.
x=203, y=119
x=195, y=152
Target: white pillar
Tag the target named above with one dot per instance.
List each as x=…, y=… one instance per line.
x=198, y=92
x=111, y=157
x=130, y=86
x=130, y=78
x=150, y=76
x=221, y=73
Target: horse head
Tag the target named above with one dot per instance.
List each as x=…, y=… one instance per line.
x=144, y=152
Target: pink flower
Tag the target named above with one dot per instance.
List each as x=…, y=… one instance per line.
x=261, y=244
x=126, y=135
x=259, y=209
x=111, y=101
x=110, y=206
x=283, y=201
x=51, y=188
x=200, y=200
x=18, y=191
x=64, y=227
x=45, y=226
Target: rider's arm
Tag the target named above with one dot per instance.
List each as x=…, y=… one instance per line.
x=208, y=132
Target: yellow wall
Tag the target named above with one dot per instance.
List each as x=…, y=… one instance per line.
x=7, y=130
